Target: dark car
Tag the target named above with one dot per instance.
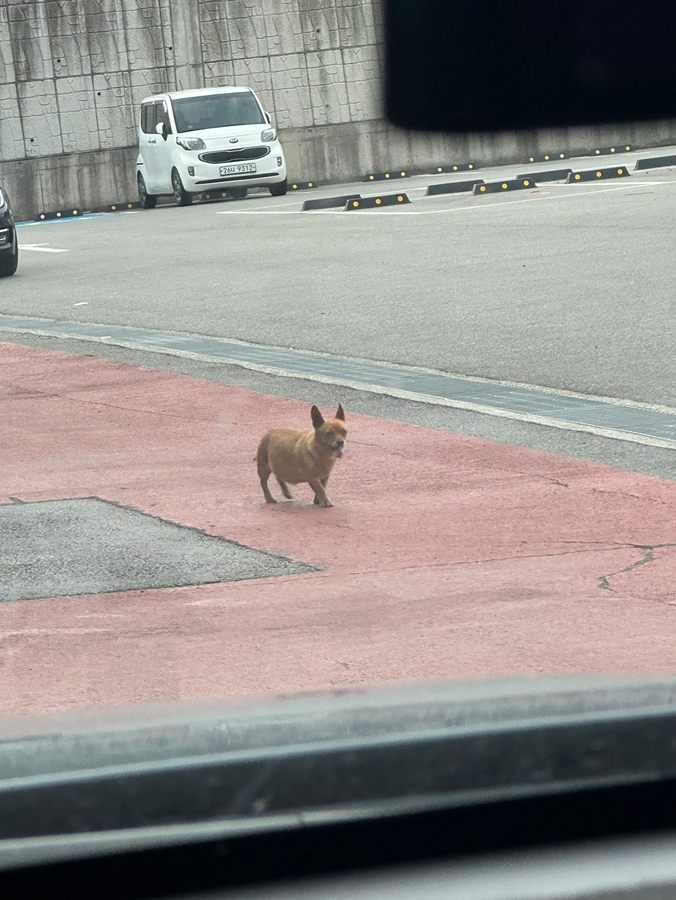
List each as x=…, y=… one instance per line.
x=9, y=247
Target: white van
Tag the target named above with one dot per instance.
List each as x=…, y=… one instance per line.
x=212, y=139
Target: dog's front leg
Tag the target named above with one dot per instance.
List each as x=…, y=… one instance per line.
x=320, y=494
x=325, y=481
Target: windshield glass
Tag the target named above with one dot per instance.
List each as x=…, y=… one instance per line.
x=217, y=111
x=330, y=402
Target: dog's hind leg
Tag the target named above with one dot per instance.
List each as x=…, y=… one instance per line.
x=264, y=472
x=285, y=488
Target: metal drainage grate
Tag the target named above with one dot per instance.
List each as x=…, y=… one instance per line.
x=60, y=548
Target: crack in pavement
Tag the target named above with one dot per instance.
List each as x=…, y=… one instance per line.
x=35, y=392
x=648, y=557
x=472, y=562
x=633, y=496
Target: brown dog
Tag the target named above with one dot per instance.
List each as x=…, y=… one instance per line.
x=295, y=456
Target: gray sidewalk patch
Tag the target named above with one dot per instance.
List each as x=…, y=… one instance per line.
x=63, y=548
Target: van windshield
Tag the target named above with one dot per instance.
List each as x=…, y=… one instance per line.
x=217, y=111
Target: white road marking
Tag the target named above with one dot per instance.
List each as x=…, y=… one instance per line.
x=257, y=212
x=42, y=248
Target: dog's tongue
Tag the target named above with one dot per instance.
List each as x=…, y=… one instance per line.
x=338, y=453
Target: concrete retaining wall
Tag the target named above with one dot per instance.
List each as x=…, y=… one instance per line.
x=329, y=153
x=73, y=72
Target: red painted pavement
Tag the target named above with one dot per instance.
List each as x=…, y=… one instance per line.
x=445, y=556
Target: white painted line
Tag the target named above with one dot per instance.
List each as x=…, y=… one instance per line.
x=257, y=212
x=42, y=248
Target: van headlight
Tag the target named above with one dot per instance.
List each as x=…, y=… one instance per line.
x=191, y=143
x=268, y=135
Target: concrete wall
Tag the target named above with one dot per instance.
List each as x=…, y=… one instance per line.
x=73, y=72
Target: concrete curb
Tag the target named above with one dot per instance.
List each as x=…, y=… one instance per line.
x=546, y=157
x=499, y=187
x=654, y=162
x=453, y=187
x=329, y=202
x=549, y=175
x=376, y=202
x=595, y=174
x=59, y=214
x=384, y=176
x=459, y=167
x=606, y=151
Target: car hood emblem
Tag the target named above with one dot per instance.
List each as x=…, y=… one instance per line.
x=234, y=140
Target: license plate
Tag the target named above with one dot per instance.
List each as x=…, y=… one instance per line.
x=237, y=170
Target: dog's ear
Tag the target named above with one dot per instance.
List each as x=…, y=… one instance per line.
x=339, y=413
x=317, y=417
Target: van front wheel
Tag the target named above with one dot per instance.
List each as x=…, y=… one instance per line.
x=181, y=196
x=148, y=201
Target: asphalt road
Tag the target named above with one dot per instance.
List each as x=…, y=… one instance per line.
x=444, y=556
x=568, y=286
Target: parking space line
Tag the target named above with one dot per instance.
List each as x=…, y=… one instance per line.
x=42, y=248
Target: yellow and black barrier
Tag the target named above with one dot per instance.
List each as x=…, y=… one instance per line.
x=654, y=162
x=499, y=187
x=58, y=214
x=546, y=157
x=329, y=202
x=598, y=174
x=385, y=176
x=377, y=202
x=607, y=151
x=549, y=175
x=120, y=207
x=459, y=167
x=303, y=185
x=452, y=187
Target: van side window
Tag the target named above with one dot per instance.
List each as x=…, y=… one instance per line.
x=148, y=118
x=163, y=116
